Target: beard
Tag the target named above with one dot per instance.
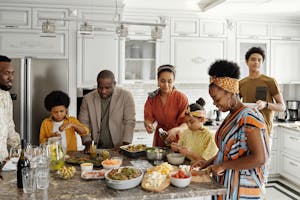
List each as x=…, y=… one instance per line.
x=5, y=87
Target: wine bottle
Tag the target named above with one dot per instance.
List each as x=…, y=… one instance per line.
x=22, y=163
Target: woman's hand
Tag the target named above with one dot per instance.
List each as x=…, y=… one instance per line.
x=149, y=126
x=217, y=170
x=173, y=135
x=199, y=164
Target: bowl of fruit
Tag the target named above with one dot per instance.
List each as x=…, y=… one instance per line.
x=66, y=172
x=180, y=178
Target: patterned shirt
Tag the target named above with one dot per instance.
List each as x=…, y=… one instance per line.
x=8, y=135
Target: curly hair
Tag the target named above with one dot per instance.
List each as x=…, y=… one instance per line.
x=255, y=50
x=4, y=59
x=56, y=98
x=224, y=68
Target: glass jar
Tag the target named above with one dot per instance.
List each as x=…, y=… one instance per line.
x=56, y=153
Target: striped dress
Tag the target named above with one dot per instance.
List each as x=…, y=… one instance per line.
x=231, y=138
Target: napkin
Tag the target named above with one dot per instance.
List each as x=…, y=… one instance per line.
x=9, y=166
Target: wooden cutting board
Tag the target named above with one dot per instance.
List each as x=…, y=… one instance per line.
x=200, y=177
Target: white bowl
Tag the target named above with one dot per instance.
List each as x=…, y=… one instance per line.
x=181, y=182
x=111, y=163
x=85, y=167
x=123, y=184
x=175, y=158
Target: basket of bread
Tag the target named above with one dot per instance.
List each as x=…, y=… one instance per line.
x=157, y=178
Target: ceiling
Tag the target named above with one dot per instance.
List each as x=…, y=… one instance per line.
x=266, y=8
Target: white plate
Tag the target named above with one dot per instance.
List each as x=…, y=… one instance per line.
x=94, y=174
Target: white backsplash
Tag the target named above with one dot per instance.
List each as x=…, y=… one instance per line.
x=193, y=92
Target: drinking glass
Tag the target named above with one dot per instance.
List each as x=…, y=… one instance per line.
x=14, y=155
x=42, y=177
x=32, y=153
x=28, y=179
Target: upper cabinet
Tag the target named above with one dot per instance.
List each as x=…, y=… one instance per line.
x=285, y=31
x=254, y=30
x=138, y=30
x=185, y=27
x=11, y=17
x=213, y=28
x=95, y=53
x=285, y=61
x=20, y=43
x=49, y=13
x=193, y=56
x=139, y=59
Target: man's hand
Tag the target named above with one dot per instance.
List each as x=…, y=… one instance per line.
x=87, y=146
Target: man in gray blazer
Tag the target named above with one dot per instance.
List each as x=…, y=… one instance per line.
x=109, y=112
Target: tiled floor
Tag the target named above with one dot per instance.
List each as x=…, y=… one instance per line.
x=282, y=189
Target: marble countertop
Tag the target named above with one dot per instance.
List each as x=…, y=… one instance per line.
x=78, y=189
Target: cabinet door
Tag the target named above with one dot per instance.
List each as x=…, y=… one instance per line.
x=95, y=54
x=138, y=30
x=185, y=27
x=15, y=17
x=247, y=29
x=243, y=45
x=285, y=61
x=285, y=31
x=193, y=56
x=50, y=13
x=138, y=60
x=213, y=28
x=290, y=168
x=291, y=142
x=29, y=43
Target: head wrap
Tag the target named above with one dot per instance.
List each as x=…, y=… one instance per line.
x=166, y=67
x=196, y=113
x=226, y=83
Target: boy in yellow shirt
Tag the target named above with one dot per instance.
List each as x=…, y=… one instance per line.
x=60, y=124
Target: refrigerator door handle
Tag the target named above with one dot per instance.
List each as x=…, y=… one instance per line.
x=28, y=100
x=22, y=99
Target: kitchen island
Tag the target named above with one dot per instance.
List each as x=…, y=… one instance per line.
x=78, y=189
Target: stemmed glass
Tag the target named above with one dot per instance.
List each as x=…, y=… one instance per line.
x=14, y=155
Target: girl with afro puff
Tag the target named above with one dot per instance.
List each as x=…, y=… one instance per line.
x=59, y=124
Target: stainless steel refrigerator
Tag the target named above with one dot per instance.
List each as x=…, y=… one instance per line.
x=33, y=80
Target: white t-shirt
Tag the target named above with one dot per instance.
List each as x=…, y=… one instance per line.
x=56, y=126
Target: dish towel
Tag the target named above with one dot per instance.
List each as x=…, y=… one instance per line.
x=9, y=166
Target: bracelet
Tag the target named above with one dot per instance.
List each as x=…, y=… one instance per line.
x=267, y=105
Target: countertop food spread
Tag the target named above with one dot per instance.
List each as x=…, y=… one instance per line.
x=78, y=188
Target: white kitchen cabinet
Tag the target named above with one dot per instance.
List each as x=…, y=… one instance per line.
x=285, y=31
x=19, y=43
x=185, y=27
x=50, y=13
x=138, y=30
x=290, y=155
x=243, y=45
x=193, y=56
x=139, y=59
x=213, y=28
x=274, y=163
x=95, y=53
x=252, y=29
x=285, y=61
x=14, y=17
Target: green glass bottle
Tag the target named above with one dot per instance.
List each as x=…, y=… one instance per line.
x=22, y=163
